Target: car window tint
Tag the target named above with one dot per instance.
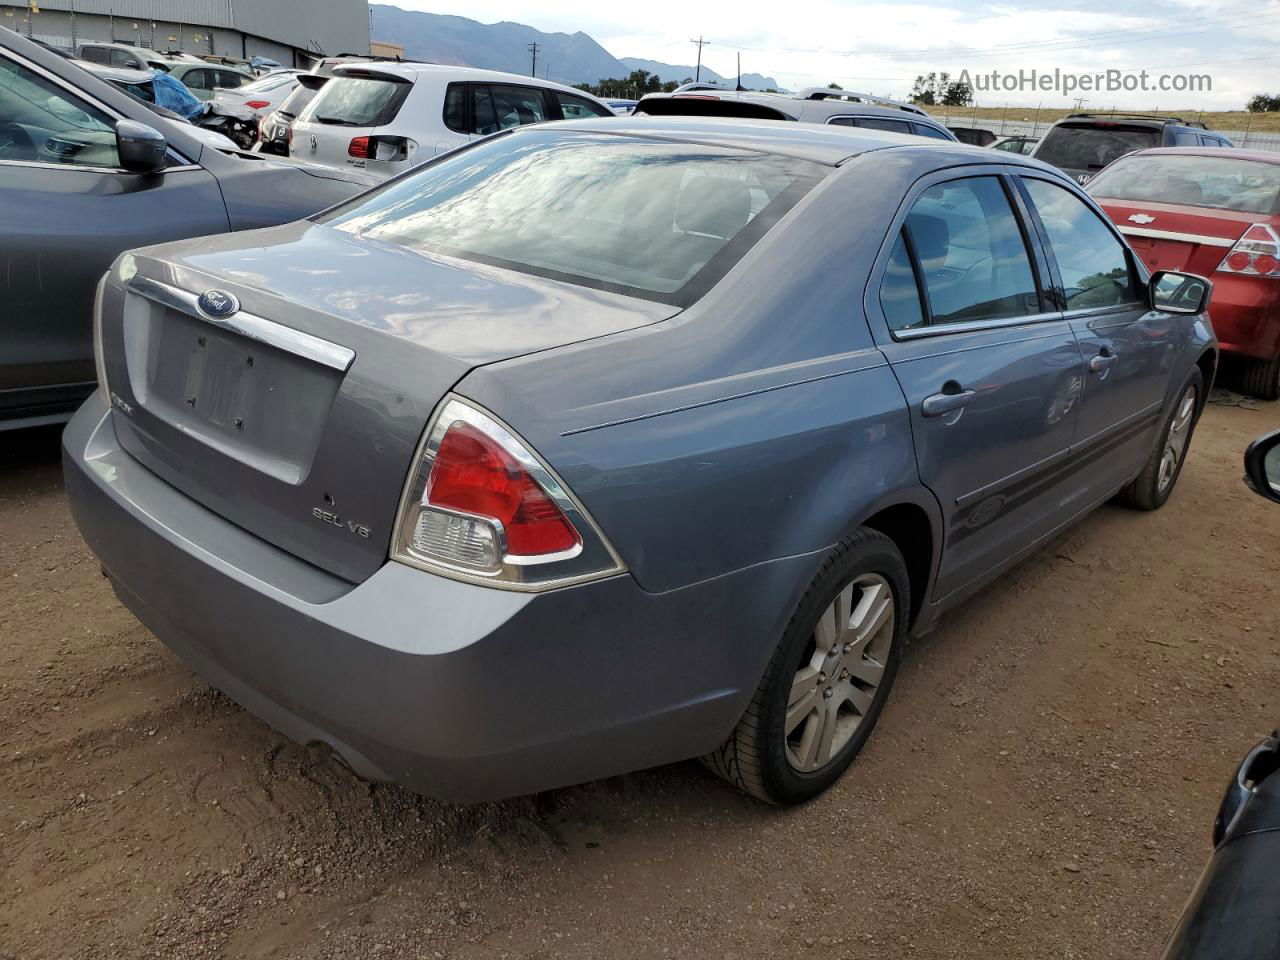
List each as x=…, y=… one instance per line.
x=1091, y=148
x=1221, y=182
x=123, y=58
x=229, y=79
x=580, y=108
x=198, y=79
x=44, y=124
x=95, y=55
x=899, y=293
x=972, y=257
x=879, y=123
x=660, y=220
x=484, y=119
x=517, y=106
x=455, y=108
x=358, y=101
x=1092, y=261
x=924, y=130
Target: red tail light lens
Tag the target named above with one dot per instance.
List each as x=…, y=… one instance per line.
x=359, y=147
x=473, y=474
x=257, y=104
x=1256, y=254
x=481, y=506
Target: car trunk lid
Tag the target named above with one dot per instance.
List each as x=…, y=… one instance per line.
x=1178, y=237
x=297, y=416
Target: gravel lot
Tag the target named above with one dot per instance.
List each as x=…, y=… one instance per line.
x=1042, y=784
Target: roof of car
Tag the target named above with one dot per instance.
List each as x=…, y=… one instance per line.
x=1231, y=153
x=124, y=74
x=819, y=143
x=411, y=70
x=794, y=105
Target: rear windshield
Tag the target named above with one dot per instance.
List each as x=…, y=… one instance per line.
x=359, y=101
x=648, y=218
x=1247, y=186
x=1091, y=147
x=297, y=101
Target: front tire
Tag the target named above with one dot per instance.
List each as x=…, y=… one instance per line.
x=1156, y=481
x=828, y=679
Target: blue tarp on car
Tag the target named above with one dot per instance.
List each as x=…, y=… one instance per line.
x=172, y=95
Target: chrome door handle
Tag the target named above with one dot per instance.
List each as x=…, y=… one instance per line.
x=940, y=403
x=1102, y=361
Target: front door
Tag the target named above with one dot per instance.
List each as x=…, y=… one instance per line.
x=1129, y=350
x=992, y=377
x=68, y=211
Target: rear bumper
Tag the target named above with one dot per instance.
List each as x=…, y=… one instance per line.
x=1246, y=314
x=457, y=691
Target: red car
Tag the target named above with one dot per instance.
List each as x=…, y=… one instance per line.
x=1215, y=212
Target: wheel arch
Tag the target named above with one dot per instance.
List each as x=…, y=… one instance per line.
x=914, y=523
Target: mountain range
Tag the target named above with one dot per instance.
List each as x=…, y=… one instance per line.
x=566, y=57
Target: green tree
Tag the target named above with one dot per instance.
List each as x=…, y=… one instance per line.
x=1264, y=103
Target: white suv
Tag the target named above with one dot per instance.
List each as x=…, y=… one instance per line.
x=386, y=117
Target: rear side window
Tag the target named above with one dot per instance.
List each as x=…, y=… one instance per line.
x=924, y=130
x=699, y=105
x=230, y=79
x=123, y=58
x=643, y=217
x=359, y=101
x=1092, y=262
x=505, y=107
x=899, y=292
x=1091, y=148
x=879, y=123
x=967, y=247
x=455, y=108
x=580, y=108
x=198, y=79
x=96, y=55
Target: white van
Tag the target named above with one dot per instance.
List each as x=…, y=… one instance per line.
x=386, y=117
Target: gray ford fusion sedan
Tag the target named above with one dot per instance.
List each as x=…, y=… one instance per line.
x=607, y=444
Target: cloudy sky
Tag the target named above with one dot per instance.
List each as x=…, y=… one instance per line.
x=880, y=48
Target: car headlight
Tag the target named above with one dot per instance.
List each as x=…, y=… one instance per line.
x=480, y=505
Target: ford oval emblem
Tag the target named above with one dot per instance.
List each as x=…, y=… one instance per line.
x=217, y=304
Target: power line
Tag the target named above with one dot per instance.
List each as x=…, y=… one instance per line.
x=700, y=43
x=533, y=66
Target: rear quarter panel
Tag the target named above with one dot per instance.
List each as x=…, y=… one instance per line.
x=762, y=423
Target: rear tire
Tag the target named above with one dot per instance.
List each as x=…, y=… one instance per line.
x=1160, y=474
x=1261, y=378
x=828, y=679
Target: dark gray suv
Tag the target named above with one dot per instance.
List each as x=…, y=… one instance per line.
x=87, y=171
x=1083, y=143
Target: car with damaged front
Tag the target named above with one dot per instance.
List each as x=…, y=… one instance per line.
x=604, y=444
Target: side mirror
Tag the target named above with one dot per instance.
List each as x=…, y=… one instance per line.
x=1173, y=292
x=1262, y=466
x=143, y=149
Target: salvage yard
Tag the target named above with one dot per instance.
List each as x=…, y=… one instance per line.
x=1042, y=783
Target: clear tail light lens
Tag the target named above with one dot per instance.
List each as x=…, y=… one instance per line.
x=1256, y=254
x=480, y=505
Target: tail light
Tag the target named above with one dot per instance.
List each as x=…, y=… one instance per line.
x=1256, y=254
x=257, y=104
x=380, y=148
x=359, y=147
x=481, y=506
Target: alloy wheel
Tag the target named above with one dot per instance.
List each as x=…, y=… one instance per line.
x=840, y=672
x=1175, y=444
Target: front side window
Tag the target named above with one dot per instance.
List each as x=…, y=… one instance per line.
x=642, y=217
x=123, y=58
x=924, y=130
x=230, y=80
x=1092, y=262
x=969, y=252
x=96, y=55
x=41, y=123
x=580, y=108
x=198, y=79
x=879, y=123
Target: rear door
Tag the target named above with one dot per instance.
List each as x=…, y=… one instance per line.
x=991, y=374
x=1129, y=350
x=68, y=211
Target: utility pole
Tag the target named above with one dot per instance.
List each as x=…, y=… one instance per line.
x=533, y=66
x=699, y=43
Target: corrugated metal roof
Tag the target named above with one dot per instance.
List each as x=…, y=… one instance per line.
x=333, y=26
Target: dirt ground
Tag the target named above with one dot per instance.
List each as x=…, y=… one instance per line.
x=1042, y=784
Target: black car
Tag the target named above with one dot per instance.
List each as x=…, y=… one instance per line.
x=1083, y=143
x=974, y=136
x=273, y=133
x=1234, y=913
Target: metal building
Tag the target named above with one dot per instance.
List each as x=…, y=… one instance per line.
x=290, y=31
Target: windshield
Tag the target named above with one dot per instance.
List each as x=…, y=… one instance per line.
x=1090, y=147
x=359, y=101
x=1224, y=183
x=653, y=219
